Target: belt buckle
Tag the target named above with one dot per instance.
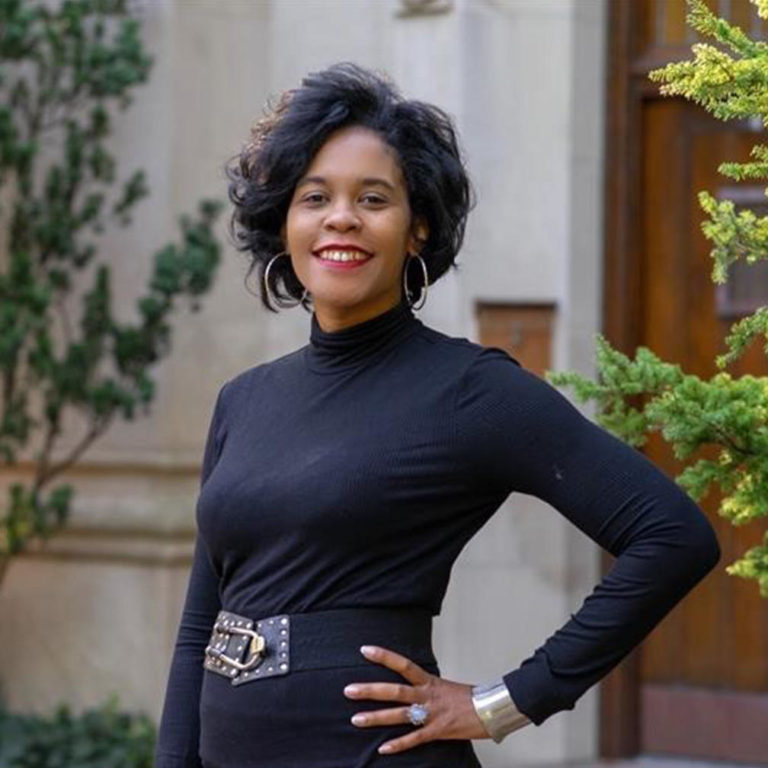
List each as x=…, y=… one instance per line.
x=230, y=653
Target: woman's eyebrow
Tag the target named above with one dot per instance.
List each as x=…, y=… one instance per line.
x=368, y=181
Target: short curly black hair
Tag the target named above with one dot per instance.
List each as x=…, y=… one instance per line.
x=263, y=176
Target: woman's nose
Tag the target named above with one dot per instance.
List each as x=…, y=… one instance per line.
x=342, y=217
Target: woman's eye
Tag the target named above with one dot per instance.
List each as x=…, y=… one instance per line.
x=318, y=197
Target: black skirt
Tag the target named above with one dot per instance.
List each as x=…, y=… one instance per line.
x=302, y=719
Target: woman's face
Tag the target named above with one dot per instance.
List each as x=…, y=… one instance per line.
x=352, y=201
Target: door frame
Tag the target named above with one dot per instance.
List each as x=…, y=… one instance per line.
x=627, y=89
x=619, y=722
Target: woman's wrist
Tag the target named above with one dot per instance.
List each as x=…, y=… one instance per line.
x=496, y=710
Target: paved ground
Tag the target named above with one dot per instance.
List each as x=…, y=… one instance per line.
x=658, y=762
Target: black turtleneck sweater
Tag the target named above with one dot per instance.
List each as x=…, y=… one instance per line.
x=354, y=470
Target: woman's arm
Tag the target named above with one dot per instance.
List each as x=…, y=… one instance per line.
x=179, y=736
x=521, y=434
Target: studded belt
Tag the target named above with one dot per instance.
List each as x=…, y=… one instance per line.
x=243, y=648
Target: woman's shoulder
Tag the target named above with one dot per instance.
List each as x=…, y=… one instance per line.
x=462, y=351
x=242, y=384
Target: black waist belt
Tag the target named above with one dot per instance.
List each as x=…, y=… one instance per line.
x=246, y=649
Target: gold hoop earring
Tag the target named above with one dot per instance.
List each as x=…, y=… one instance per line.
x=423, y=296
x=282, y=303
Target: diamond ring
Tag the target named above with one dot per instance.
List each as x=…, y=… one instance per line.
x=418, y=714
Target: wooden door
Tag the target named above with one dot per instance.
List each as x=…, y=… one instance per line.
x=698, y=685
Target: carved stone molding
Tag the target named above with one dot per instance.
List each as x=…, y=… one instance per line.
x=88, y=546
x=424, y=7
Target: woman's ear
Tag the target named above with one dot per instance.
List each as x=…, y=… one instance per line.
x=419, y=235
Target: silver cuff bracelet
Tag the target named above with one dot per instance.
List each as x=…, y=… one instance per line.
x=497, y=710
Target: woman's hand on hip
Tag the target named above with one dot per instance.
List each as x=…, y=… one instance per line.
x=451, y=713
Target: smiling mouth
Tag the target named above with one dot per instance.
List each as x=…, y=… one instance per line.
x=342, y=257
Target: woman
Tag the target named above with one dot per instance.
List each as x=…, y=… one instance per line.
x=341, y=481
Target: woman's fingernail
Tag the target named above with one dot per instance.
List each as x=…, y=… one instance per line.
x=352, y=690
x=385, y=748
x=358, y=719
x=367, y=650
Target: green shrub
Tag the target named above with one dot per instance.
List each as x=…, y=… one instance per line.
x=102, y=737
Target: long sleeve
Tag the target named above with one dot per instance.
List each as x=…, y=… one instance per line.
x=179, y=735
x=521, y=434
